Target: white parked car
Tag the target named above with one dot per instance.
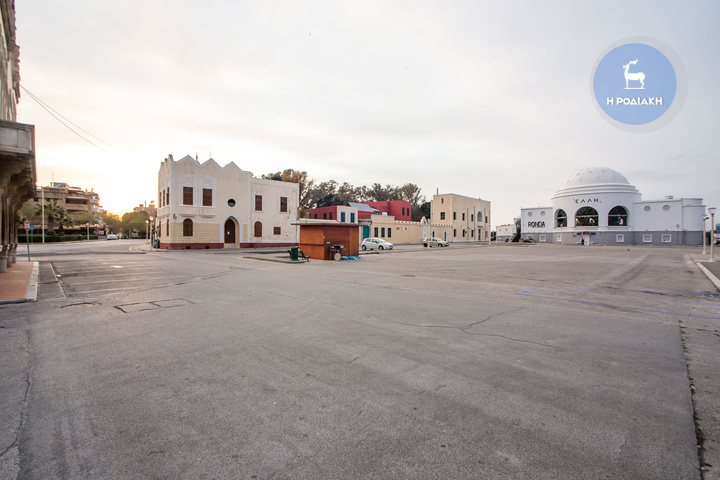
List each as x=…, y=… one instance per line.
x=375, y=244
x=112, y=236
x=435, y=242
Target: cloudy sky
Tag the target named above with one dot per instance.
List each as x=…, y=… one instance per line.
x=485, y=99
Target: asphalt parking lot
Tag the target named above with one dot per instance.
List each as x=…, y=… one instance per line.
x=533, y=361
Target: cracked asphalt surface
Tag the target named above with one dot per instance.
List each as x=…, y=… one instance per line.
x=466, y=362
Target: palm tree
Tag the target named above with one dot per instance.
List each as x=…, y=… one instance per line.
x=53, y=212
x=63, y=220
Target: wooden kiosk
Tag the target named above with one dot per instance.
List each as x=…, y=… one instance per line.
x=328, y=239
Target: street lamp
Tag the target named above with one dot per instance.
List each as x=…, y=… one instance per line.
x=704, y=236
x=152, y=230
x=711, y=210
x=147, y=239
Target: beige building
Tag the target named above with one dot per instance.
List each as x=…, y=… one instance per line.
x=403, y=232
x=204, y=205
x=469, y=217
x=17, y=141
x=144, y=207
x=72, y=199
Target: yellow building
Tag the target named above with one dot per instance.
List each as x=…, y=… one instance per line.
x=204, y=205
x=403, y=232
x=469, y=217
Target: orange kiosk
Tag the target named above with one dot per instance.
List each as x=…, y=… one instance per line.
x=328, y=239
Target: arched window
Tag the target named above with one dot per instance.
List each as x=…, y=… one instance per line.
x=586, y=217
x=258, y=229
x=560, y=218
x=618, y=217
x=479, y=217
x=187, y=228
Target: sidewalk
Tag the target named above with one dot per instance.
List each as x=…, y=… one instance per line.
x=710, y=269
x=19, y=283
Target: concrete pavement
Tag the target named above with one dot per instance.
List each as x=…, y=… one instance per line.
x=479, y=363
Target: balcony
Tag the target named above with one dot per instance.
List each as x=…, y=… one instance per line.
x=17, y=139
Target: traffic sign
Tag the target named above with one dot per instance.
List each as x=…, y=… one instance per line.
x=32, y=227
x=27, y=225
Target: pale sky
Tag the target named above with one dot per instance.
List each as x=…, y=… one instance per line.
x=484, y=99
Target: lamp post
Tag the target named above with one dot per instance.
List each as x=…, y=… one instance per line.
x=704, y=236
x=711, y=210
x=152, y=231
x=147, y=239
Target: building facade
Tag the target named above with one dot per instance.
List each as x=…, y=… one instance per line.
x=469, y=217
x=72, y=199
x=400, y=209
x=600, y=206
x=204, y=205
x=505, y=233
x=341, y=213
x=17, y=141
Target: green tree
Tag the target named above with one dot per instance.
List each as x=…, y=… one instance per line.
x=135, y=222
x=425, y=210
x=64, y=220
x=324, y=194
x=113, y=222
x=53, y=211
x=411, y=193
x=27, y=213
x=378, y=193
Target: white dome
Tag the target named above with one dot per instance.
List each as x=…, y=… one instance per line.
x=596, y=176
x=594, y=181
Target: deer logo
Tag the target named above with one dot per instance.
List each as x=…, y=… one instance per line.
x=633, y=76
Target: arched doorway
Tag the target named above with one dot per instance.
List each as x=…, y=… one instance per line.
x=230, y=231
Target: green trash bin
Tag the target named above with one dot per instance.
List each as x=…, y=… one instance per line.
x=294, y=253
x=156, y=243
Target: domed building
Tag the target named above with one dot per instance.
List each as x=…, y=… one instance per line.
x=600, y=206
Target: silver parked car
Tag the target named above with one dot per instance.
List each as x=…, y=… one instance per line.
x=375, y=244
x=434, y=242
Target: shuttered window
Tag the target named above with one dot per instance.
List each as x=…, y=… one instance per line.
x=207, y=197
x=258, y=205
x=187, y=195
x=283, y=205
x=187, y=228
x=258, y=229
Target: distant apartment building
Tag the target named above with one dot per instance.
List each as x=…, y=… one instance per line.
x=204, y=205
x=72, y=199
x=469, y=217
x=144, y=207
x=17, y=141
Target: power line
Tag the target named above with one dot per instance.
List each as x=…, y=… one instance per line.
x=57, y=116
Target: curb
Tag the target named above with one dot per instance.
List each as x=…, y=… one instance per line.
x=713, y=279
x=32, y=288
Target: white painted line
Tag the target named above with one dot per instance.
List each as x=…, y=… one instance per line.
x=31, y=291
x=69, y=284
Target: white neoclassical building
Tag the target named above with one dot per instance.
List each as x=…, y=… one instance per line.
x=204, y=205
x=600, y=206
